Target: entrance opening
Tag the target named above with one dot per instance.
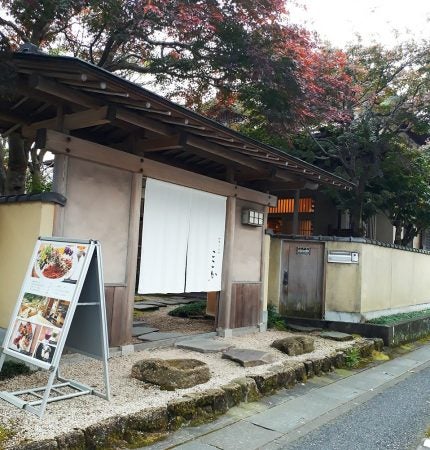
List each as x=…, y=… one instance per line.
x=179, y=259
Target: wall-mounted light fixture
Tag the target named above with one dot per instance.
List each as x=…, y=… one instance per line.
x=251, y=217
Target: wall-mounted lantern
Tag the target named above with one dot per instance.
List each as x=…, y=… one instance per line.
x=252, y=217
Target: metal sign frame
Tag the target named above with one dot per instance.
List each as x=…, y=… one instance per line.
x=87, y=307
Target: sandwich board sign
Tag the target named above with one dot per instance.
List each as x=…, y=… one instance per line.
x=61, y=303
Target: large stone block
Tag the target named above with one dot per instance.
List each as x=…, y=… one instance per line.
x=171, y=374
x=294, y=345
x=73, y=440
x=266, y=382
x=250, y=392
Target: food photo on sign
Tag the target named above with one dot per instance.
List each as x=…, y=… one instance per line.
x=24, y=337
x=59, y=262
x=43, y=310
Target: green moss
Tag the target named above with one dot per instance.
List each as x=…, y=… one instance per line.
x=5, y=435
x=396, y=318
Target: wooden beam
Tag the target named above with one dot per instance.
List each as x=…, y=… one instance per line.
x=248, y=162
x=59, y=143
x=58, y=90
x=143, y=122
x=75, y=121
x=75, y=96
x=176, y=141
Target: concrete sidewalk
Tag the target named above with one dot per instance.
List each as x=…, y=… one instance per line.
x=280, y=419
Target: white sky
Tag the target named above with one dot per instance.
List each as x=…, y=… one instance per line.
x=338, y=21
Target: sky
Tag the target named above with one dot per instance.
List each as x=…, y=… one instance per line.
x=338, y=21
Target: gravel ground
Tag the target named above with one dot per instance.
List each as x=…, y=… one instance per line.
x=130, y=395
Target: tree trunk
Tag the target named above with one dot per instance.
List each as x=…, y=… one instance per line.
x=17, y=165
x=36, y=170
x=398, y=234
x=408, y=235
x=357, y=219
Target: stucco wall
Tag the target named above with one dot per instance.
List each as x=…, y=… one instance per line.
x=98, y=207
x=343, y=281
x=20, y=225
x=247, y=247
x=394, y=279
x=386, y=281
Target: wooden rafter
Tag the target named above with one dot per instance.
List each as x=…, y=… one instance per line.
x=74, y=121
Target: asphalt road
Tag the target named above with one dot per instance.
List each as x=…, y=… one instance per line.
x=396, y=418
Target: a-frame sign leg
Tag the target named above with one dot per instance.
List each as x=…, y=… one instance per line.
x=88, y=331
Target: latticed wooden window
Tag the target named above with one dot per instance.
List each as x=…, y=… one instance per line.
x=305, y=227
x=286, y=206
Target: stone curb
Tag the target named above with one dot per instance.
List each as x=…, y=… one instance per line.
x=151, y=425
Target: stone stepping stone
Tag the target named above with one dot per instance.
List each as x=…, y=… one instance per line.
x=302, y=328
x=249, y=357
x=159, y=336
x=145, y=307
x=138, y=331
x=204, y=345
x=152, y=302
x=170, y=302
x=336, y=336
x=139, y=323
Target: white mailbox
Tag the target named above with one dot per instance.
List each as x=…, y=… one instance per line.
x=342, y=257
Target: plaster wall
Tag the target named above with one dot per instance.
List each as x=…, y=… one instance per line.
x=394, y=279
x=342, y=281
x=246, y=264
x=20, y=224
x=98, y=207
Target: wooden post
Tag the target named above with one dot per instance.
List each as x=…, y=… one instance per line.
x=225, y=305
x=263, y=274
x=296, y=212
x=133, y=243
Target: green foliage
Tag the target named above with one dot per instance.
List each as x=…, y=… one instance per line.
x=274, y=319
x=404, y=191
x=396, y=318
x=352, y=358
x=195, y=309
x=12, y=369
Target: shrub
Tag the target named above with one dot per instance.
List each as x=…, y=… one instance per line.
x=191, y=310
x=11, y=369
x=352, y=357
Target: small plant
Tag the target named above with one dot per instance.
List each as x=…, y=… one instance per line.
x=274, y=319
x=5, y=434
x=12, y=369
x=192, y=310
x=352, y=358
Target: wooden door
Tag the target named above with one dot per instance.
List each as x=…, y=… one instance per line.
x=302, y=279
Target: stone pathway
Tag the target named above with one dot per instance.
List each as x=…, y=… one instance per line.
x=203, y=345
x=249, y=357
x=277, y=421
x=152, y=303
